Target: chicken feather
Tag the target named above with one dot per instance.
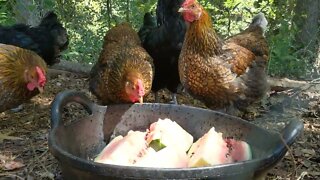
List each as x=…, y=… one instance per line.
x=15, y=64
x=222, y=74
x=122, y=63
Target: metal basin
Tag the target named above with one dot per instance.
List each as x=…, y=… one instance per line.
x=76, y=144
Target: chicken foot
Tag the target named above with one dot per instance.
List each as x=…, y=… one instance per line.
x=173, y=98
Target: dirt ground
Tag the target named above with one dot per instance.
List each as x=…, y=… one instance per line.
x=24, y=152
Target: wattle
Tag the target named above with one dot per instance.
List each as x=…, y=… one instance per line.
x=30, y=86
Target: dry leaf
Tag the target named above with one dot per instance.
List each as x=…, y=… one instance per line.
x=306, y=163
x=47, y=175
x=4, y=158
x=6, y=136
x=308, y=151
x=12, y=165
x=314, y=173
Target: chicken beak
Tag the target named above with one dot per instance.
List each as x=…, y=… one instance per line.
x=141, y=99
x=181, y=10
x=40, y=89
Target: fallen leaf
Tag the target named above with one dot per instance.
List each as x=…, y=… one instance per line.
x=12, y=165
x=314, y=173
x=47, y=175
x=306, y=163
x=5, y=136
x=308, y=151
x=4, y=158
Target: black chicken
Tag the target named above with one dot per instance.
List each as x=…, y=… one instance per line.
x=47, y=39
x=163, y=41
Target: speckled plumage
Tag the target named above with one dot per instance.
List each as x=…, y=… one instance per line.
x=122, y=54
x=13, y=63
x=223, y=73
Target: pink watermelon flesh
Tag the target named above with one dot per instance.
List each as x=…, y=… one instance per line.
x=167, y=157
x=239, y=150
x=124, y=150
x=166, y=132
x=172, y=142
x=209, y=150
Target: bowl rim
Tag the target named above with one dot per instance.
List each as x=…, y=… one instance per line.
x=249, y=166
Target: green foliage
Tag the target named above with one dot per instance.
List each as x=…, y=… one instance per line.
x=6, y=13
x=87, y=22
x=284, y=56
x=86, y=27
x=233, y=16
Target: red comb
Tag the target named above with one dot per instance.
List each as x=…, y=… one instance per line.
x=188, y=2
x=41, y=77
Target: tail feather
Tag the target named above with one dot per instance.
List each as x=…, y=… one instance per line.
x=149, y=20
x=255, y=84
x=260, y=20
x=149, y=23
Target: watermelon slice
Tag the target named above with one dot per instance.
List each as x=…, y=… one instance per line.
x=167, y=133
x=239, y=150
x=167, y=157
x=165, y=144
x=209, y=150
x=124, y=150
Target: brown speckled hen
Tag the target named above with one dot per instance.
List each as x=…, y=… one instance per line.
x=229, y=75
x=22, y=76
x=124, y=71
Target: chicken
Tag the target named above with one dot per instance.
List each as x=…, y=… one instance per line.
x=48, y=39
x=149, y=23
x=22, y=76
x=164, y=42
x=124, y=71
x=226, y=75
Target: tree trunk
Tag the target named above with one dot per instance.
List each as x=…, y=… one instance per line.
x=109, y=9
x=307, y=18
x=128, y=11
x=78, y=68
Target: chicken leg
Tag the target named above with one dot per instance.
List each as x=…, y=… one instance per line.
x=173, y=98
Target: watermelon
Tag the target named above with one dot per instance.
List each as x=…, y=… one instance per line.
x=168, y=145
x=165, y=133
x=239, y=150
x=124, y=150
x=210, y=149
x=167, y=157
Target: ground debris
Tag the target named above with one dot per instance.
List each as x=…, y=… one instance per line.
x=27, y=130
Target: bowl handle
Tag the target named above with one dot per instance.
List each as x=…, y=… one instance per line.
x=292, y=131
x=62, y=99
x=288, y=136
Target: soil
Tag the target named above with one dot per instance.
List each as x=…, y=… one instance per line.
x=24, y=152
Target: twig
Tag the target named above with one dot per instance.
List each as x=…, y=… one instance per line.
x=302, y=175
x=11, y=175
x=311, y=84
x=297, y=90
x=248, y=10
x=267, y=5
x=38, y=160
x=294, y=168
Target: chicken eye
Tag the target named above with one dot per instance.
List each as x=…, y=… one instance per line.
x=193, y=6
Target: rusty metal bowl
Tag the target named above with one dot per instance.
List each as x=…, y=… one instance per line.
x=76, y=144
